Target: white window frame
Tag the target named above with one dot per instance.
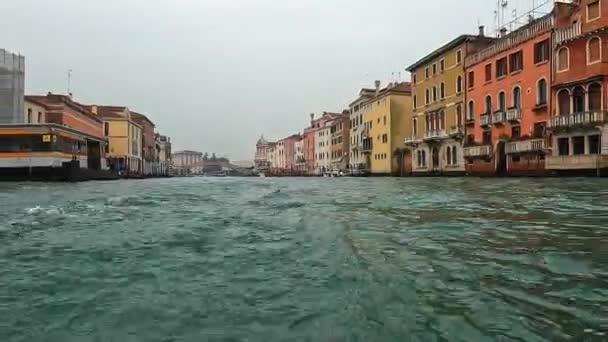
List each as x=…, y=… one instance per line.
x=459, y=51
x=521, y=97
x=557, y=59
x=459, y=85
x=599, y=3
x=587, y=50
x=538, y=92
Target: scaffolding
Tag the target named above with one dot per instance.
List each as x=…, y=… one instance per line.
x=12, y=87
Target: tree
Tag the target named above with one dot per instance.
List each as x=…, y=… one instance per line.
x=206, y=156
x=213, y=157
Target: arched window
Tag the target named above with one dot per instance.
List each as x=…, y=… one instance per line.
x=502, y=102
x=578, y=99
x=441, y=120
x=454, y=155
x=442, y=90
x=488, y=104
x=415, y=102
x=459, y=85
x=594, y=50
x=517, y=97
x=459, y=121
x=563, y=59
x=541, y=92
x=563, y=102
x=428, y=97
x=415, y=127
x=448, y=153
x=595, y=97
x=471, y=110
x=434, y=94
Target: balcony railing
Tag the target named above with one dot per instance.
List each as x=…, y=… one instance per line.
x=435, y=134
x=569, y=33
x=457, y=130
x=470, y=118
x=485, y=120
x=513, y=39
x=411, y=139
x=498, y=117
x=478, y=151
x=578, y=119
x=531, y=145
x=513, y=114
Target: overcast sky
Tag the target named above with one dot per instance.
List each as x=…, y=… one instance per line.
x=215, y=74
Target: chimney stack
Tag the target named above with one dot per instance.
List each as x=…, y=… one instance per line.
x=312, y=117
x=377, y=83
x=482, y=31
x=503, y=32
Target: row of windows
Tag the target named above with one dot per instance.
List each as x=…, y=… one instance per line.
x=435, y=67
x=516, y=100
x=37, y=143
x=451, y=156
x=438, y=93
x=381, y=156
x=30, y=116
x=593, y=54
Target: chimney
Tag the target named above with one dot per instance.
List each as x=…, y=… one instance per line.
x=377, y=83
x=482, y=32
x=312, y=117
x=503, y=32
x=94, y=109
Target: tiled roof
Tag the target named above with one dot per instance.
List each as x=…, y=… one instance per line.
x=60, y=100
x=140, y=118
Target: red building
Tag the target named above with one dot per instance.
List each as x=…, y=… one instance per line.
x=309, y=143
x=580, y=79
x=508, y=102
x=340, y=141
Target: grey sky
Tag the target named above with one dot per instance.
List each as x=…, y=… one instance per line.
x=215, y=74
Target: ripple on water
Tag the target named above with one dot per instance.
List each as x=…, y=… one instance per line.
x=305, y=259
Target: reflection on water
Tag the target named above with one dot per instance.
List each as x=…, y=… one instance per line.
x=305, y=259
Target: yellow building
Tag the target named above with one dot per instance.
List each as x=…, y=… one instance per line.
x=438, y=127
x=124, y=149
x=387, y=119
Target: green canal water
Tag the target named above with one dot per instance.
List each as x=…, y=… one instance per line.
x=225, y=259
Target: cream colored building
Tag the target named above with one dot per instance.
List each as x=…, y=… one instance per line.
x=323, y=148
x=33, y=113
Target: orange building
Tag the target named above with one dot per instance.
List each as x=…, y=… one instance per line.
x=507, y=102
x=579, y=124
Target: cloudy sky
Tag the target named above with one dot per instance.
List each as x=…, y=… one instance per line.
x=215, y=74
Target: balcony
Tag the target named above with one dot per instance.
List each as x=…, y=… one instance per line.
x=437, y=134
x=513, y=114
x=478, y=151
x=411, y=140
x=531, y=145
x=485, y=120
x=577, y=162
x=498, y=117
x=456, y=132
x=569, y=33
x=470, y=119
x=578, y=120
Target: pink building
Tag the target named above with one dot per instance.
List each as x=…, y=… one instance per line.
x=288, y=151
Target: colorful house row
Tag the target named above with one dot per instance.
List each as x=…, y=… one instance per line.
x=527, y=102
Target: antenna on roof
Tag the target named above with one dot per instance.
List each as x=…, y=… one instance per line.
x=70, y=83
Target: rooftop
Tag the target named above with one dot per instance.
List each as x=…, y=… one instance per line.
x=447, y=47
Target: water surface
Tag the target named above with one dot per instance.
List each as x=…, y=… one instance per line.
x=205, y=259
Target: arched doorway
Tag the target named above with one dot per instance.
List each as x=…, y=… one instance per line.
x=578, y=97
x=563, y=102
x=595, y=97
x=435, y=158
x=501, y=158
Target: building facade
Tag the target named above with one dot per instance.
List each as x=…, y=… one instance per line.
x=300, y=161
x=507, y=102
x=124, y=136
x=579, y=122
x=287, y=152
x=340, y=142
x=261, y=158
x=435, y=142
x=34, y=113
x=323, y=148
x=388, y=120
x=70, y=134
x=357, y=159
x=12, y=86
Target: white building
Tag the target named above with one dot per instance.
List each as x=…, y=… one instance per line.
x=358, y=160
x=323, y=148
x=12, y=85
x=262, y=153
x=299, y=155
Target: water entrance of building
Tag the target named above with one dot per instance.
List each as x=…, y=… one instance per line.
x=93, y=155
x=435, y=158
x=501, y=158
